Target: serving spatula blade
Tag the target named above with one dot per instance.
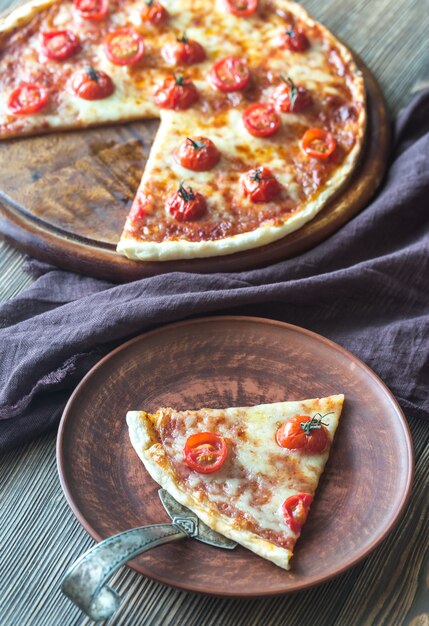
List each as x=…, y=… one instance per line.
x=193, y=526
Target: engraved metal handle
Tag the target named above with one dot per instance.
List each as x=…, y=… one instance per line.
x=84, y=582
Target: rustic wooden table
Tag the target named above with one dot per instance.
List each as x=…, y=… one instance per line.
x=40, y=537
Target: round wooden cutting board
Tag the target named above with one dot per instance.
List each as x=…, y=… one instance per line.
x=64, y=198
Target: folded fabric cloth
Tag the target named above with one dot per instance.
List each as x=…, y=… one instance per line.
x=366, y=287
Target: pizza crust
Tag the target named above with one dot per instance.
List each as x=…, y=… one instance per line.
x=22, y=15
x=146, y=445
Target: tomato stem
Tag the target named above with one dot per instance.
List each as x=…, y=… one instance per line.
x=290, y=31
x=179, y=80
x=186, y=194
x=314, y=423
x=197, y=145
x=256, y=175
x=92, y=73
x=182, y=38
x=293, y=90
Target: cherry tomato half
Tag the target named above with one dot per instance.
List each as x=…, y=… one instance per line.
x=261, y=120
x=318, y=143
x=94, y=10
x=230, y=74
x=186, y=205
x=141, y=205
x=290, y=98
x=241, y=8
x=198, y=154
x=91, y=84
x=59, y=45
x=303, y=432
x=295, y=509
x=154, y=12
x=205, y=452
x=260, y=185
x=183, y=51
x=124, y=46
x=294, y=39
x=27, y=98
x=176, y=92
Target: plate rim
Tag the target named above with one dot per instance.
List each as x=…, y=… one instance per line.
x=184, y=586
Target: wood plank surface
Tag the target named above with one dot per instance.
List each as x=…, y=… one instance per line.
x=39, y=536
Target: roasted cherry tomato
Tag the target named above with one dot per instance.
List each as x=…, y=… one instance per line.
x=198, y=154
x=295, y=510
x=230, y=74
x=27, y=98
x=183, y=51
x=290, y=98
x=186, y=205
x=304, y=433
x=154, y=12
x=176, y=93
x=124, y=46
x=205, y=452
x=318, y=143
x=91, y=84
x=261, y=120
x=242, y=8
x=59, y=45
x=95, y=10
x=260, y=185
x=141, y=205
x=294, y=39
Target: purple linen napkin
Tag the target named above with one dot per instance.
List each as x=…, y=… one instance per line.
x=366, y=287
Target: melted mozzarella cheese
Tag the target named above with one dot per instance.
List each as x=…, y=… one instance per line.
x=258, y=467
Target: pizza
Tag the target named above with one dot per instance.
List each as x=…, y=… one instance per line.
x=262, y=110
x=249, y=473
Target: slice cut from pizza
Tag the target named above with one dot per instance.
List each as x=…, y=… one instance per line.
x=249, y=473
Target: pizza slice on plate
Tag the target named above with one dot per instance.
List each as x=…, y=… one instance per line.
x=249, y=473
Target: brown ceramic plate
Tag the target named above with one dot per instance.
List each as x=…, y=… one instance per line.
x=227, y=361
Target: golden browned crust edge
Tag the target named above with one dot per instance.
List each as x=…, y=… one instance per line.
x=22, y=15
